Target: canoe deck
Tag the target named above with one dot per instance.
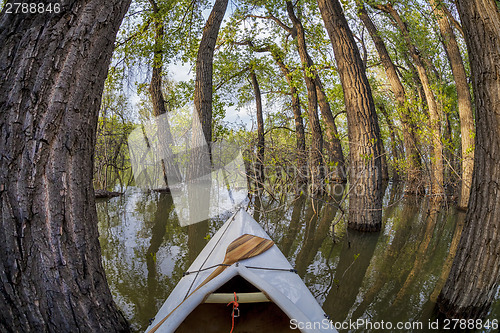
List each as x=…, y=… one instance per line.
x=254, y=317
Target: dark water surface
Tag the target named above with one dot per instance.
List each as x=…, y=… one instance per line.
x=392, y=276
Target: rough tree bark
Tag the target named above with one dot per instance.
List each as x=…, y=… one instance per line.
x=475, y=276
x=465, y=109
x=52, y=72
x=437, y=163
x=259, y=165
x=413, y=160
x=156, y=78
x=365, y=148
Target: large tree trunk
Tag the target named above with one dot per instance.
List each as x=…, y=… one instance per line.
x=437, y=164
x=365, y=143
x=413, y=160
x=52, y=72
x=204, y=68
x=465, y=109
x=259, y=165
x=316, y=149
x=474, y=277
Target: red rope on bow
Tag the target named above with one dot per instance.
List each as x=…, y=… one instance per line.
x=235, y=307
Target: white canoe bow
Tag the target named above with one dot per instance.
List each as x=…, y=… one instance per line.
x=272, y=297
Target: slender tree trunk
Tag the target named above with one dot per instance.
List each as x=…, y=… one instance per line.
x=395, y=142
x=204, y=68
x=158, y=101
x=316, y=149
x=365, y=143
x=464, y=99
x=155, y=87
x=385, y=165
x=52, y=72
x=448, y=149
x=474, y=277
x=259, y=167
x=301, y=157
x=299, y=127
x=413, y=160
x=437, y=165
x=199, y=169
x=333, y=142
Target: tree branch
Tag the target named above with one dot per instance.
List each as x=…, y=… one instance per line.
x=223, y=82
x=275, y=19
x=137, y=33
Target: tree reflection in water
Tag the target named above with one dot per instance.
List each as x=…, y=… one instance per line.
x=392, y=275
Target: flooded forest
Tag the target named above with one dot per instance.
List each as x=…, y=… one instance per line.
x=363, y=137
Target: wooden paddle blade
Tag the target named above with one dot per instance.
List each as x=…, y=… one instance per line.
x=243, y=247
x=246, y=246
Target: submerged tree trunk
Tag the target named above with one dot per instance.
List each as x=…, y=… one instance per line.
x=365, y=176
x=413, y=160
x=259, y=165
x=465, y=109
x=474, y=277
x=52, y=72
x=437, y=164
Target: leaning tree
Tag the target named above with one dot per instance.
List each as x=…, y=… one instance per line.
x=475, y=276
x=52, y=70
x=365, y=142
